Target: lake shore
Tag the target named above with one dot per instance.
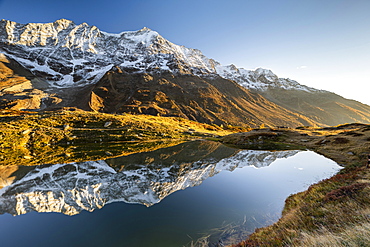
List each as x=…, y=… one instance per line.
x=333, y=212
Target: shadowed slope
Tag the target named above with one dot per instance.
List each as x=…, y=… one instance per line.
x=323, y=106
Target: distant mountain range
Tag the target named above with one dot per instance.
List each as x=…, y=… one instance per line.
x=62, y=64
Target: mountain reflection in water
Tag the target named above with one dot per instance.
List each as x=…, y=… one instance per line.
x=206, y=209
x=143, y=178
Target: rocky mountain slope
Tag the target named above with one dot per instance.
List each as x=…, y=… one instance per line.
x=210, y=100
x=64, y=64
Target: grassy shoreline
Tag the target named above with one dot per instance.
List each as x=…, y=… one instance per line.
x=333, y=212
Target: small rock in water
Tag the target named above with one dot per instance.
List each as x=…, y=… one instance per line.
x=107, y=124
x=108, y=153
x=350, y=153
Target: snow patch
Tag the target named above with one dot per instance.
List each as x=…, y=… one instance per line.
x=33, y=66
x=115, y=35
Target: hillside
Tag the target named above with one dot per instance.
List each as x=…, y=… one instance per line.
x=29, y=138
x=323, y=106
x=208, y=100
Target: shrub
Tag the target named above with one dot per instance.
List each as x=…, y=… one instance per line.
x=345, y=191
x=340, y=140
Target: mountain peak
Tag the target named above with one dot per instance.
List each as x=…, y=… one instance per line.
x=64, y=21
x=266, y=72
x=146, y=33
x=145, y=29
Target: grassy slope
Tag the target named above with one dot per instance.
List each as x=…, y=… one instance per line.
x=334, y=212
x=28, y=138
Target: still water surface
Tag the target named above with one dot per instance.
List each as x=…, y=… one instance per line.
x=194, y=192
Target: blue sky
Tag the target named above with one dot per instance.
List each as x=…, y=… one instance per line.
x=320, y=43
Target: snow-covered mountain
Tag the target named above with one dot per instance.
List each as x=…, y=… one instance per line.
x=260, y=79
x=62, y=64
x=72, y=188
x=70, y=55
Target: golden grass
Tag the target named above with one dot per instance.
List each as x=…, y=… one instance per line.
x=28, y=138
x=352, y=236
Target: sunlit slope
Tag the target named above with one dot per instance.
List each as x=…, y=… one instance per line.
x=28, y=138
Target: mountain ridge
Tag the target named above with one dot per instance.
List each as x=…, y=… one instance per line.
x=128, y=43
x=64, y=64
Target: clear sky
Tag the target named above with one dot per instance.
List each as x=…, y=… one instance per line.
x=320, y=43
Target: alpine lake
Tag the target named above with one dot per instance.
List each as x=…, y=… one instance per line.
x=196, y=193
